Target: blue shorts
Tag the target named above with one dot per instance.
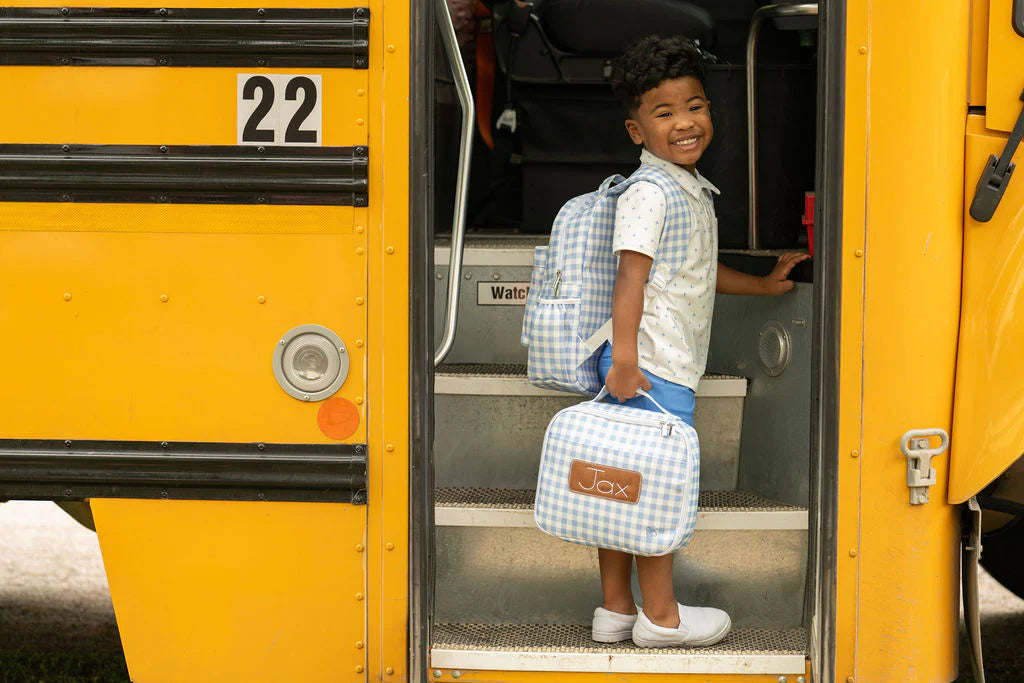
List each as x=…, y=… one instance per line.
x=676, y=398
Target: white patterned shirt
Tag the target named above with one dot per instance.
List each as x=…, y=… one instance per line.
x=675, y=329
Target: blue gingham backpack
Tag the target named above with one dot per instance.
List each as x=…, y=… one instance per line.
x=569, y=305
x=618, y=477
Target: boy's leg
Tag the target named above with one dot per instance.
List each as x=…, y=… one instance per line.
x=616, y=584
x=655, y=574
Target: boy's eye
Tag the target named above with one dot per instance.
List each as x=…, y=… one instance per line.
x=662, y=115
x=697, y=107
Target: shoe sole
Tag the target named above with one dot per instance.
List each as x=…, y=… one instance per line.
x=611, y=636
x=710, y=640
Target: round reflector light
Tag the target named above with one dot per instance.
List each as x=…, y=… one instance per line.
x=310, y=362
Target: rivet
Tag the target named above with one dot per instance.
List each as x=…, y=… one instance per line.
x=437, y=673
x=342, y=350
x=358, y=400
x=261, y=299
x=65, y=198
x=261, y=447
x=65, y=11
x=853, y=552
x=68, y=492
x=163, y=11
x=439, y=276
x=468, y=276
x=859, y=253
x=164, y=298
x=389, y=545
x=360, y=92
x=390, y=250
x=359, y=547
x=854, y=453
x=359, y=229
x=495, y=276
x=66, y=148
x=164, y=444
x=389, y=671
x=261, y=150
x=359, y=645
x=359, y=343
x=391, y=48
x=850, y=679
x=163, y=149
x=863, y=49
x=801, y=679
x=390, y=447
x=163, y=494
x=67, y=296
x=359, y=250
x=359, y=301
x=67, y=444
x=359, y=596
x=305, y=398
x=456, y=674
x=360, y=122
x=359, y=668
x=261, y=496
x=261, y=11
x=162, y=61
x=782, y=679
x=162, y=198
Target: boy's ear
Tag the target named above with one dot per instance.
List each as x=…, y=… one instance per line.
x=633, y=128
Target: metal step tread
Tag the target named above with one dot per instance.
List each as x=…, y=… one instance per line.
x=719, y=510
x=509, y=379
x=562, y=647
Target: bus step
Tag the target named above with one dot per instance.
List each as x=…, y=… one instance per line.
x=509, y=379
x=718, y=510
x=568, y=648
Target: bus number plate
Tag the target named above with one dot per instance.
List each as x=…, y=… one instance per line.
x=279, y=109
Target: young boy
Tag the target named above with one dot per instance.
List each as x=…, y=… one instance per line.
x=660, y=337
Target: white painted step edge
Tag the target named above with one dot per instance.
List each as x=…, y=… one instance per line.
x=468, y=385
x=710, y=520
x=694, y=663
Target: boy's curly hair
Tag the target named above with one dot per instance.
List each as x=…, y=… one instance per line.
x=648, y=62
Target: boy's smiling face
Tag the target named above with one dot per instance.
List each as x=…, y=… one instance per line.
x=673, y=122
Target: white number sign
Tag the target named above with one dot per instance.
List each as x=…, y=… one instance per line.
x=279, y=109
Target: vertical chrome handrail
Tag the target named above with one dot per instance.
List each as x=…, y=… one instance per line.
x=766, y=12
x=451, y=48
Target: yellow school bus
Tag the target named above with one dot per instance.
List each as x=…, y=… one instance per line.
x=263, y=283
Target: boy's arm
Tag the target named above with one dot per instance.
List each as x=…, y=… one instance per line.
x=732, y=281
x=624, y=377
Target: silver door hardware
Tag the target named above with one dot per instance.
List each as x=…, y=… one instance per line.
x=916, y=446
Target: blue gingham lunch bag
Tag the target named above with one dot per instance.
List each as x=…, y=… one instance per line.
x=618, y=477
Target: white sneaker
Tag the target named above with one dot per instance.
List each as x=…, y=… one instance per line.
x=698, y=626
x=611, y=627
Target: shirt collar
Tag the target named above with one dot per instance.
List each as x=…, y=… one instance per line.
x=689, y=182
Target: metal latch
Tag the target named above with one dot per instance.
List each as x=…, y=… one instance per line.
x=996, y=175
x=916, y=446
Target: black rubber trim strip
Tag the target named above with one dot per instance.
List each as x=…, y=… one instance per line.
x=1018, y=17
x=69, y=470
x=236, y=37
x=228, y=174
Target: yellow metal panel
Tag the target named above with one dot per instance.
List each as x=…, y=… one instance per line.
x=388, y=341
x=156, y=106
x=1005, y=76
x=223, y=591
x=988, y=433
x=904, y=557
x=104, y=356
x=979, y=53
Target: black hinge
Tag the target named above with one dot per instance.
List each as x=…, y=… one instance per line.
x=996, y=176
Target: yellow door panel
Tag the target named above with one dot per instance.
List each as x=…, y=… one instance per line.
x=236, y=591
x=1005, y=68
x=988, y=433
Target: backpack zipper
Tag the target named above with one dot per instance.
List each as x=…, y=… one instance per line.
x=667, y=428
x=558, y=282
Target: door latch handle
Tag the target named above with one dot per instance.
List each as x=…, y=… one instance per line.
x=916, y=446
x=996, y=176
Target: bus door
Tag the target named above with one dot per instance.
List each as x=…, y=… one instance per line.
x=193, y=208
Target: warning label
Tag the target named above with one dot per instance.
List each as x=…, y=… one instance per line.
x=502, y=293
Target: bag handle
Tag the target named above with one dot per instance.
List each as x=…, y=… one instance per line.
x=604, y=392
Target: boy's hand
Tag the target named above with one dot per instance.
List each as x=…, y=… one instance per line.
x=623, y=381
x=777, y=281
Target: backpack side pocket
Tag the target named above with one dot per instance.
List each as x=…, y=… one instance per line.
x=553, y=358
x=538, y=278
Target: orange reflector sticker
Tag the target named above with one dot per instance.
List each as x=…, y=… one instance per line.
x=338, y=418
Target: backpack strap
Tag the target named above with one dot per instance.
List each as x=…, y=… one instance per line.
x=657, y=281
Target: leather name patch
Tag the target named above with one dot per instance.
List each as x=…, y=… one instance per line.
x=592, y=479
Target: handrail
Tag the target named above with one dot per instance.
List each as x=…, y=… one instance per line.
x=766, y=12
x=451, y=48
